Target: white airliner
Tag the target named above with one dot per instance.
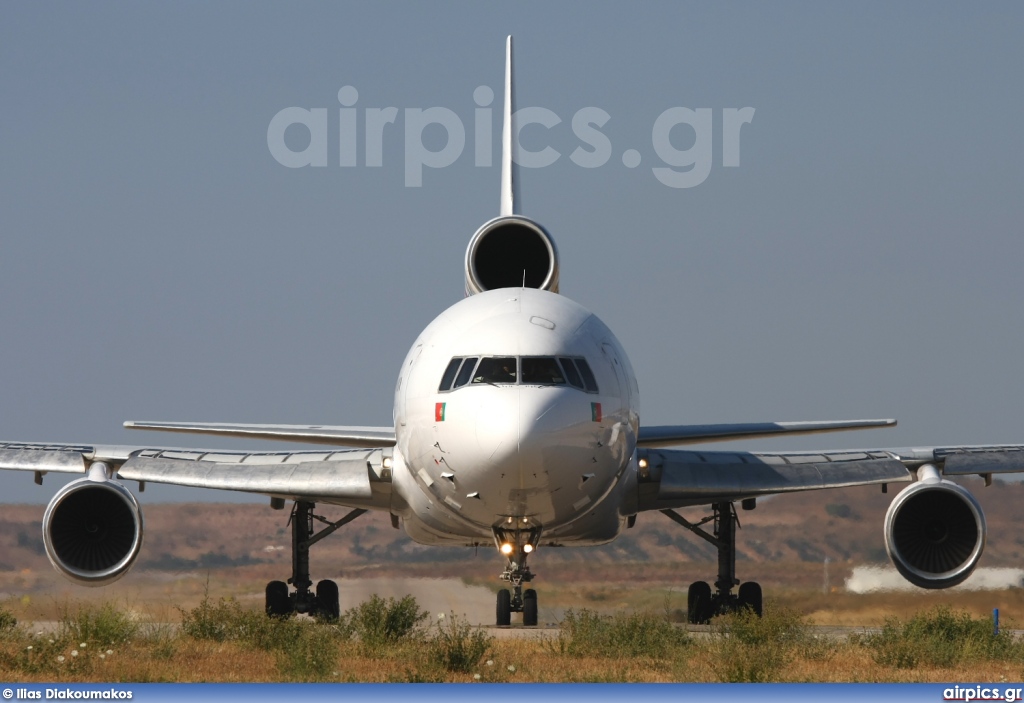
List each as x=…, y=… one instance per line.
x=516, y=424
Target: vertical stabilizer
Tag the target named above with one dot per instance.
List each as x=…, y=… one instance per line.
x=509, y=170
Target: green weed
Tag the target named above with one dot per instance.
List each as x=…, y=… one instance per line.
x=752, y=649
x=941, y=637
x=105, y=625
x=380, y=623
x=586, y=633
x=457, y=646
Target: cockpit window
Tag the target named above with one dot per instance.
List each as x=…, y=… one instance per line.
x=449, y=374
x=589, y=382
x=497, y=369
x=571, y=373
x=466, y=372
x=542, y=370
x=509, y=370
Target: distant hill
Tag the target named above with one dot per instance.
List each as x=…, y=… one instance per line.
x=844, y=525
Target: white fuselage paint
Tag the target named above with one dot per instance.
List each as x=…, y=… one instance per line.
x=526, y=455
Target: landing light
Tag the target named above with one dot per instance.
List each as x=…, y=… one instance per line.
x=527, y=548
x=642, y=463
x=506, y=549
x=387, y=462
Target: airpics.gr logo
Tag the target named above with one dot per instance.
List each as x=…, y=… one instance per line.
x=679, y=168
x=982, y=692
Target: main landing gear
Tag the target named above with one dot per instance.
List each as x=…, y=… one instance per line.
x=516, y=544
x=701, y=603
x=324, y=603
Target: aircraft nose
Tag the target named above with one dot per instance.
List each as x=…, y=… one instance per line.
x=517, y=428
x=497, y=428
x=552, y=428
x=532, y=442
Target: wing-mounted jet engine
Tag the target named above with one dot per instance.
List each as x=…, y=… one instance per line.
x=511, y=252
x=934, y=531
x=92, y=529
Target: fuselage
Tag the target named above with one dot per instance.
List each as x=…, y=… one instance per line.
x=516, y=407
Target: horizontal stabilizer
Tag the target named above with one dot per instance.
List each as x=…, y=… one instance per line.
x=369, y=437
x=673, y=435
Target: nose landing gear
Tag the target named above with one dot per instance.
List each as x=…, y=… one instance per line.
x=516, y=544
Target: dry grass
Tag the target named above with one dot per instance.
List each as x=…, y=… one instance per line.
x=192, y=661
x=780, y=647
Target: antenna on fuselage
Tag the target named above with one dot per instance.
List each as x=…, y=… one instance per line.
x=509, y=169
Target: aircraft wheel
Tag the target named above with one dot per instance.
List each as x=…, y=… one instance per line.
x=530, y=608
x=750, y=596
x=327, y=601
x=277, y=603
x=504, y=609
x=698, y=603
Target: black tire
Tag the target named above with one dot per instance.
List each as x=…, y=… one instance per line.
x=530, y=608
x=278, y=604
x=327, y=603
x=750, y=597
x=504, y=610
x=698, y=603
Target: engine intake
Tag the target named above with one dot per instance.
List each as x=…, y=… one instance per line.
x=92, y=531
x=511, y=252
x=935, y=532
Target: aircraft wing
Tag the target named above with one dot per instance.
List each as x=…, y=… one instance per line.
x=354, y=477
x=673, y=435
x=307, y=434
x=673, y=478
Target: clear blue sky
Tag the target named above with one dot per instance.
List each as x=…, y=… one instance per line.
x=156, y=262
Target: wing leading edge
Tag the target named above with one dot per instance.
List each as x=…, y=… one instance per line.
x=336, y=436
x=673, y=435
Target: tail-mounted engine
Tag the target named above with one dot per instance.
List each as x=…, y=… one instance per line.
x=511, y=252
x=92, y=530
x=935, y=531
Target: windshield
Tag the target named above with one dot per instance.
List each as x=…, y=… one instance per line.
x=510, y=370
x=542, y=370
x=496, y=369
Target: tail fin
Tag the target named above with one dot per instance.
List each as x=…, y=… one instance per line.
x=510, y=251
x=509, y=169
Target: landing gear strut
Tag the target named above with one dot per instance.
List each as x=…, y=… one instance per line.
x=702, y=604
x=516, y=545
x=324, y=602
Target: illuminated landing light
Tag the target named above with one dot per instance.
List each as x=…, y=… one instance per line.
x=527, y=548
x=387, y=462
x=642, y=463
x=506, y=549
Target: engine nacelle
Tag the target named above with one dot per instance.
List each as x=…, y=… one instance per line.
x=935, y=532
x=511, y=252
x=92, y=530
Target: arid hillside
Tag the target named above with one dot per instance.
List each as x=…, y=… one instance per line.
x=843, y=525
